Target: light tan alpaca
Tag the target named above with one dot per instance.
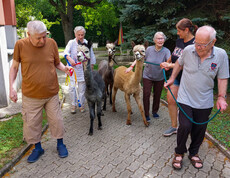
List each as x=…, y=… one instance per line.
x=130, y=82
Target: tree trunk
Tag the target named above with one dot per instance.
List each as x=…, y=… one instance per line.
x=67, y=26
x=66, y=8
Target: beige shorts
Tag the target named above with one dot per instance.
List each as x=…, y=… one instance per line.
x=32, y=118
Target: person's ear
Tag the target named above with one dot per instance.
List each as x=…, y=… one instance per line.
x=186, y=29
x=214, y=41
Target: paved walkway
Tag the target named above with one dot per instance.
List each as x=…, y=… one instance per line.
x=118, y=150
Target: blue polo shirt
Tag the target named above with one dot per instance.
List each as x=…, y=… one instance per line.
x=197, y=82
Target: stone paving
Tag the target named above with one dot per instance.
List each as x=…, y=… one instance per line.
x=118, y=150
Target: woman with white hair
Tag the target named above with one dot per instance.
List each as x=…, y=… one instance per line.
x=70, y=53
x=153, y=74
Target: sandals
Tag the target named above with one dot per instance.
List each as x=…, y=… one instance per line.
x=175, y=161
x=193, y=161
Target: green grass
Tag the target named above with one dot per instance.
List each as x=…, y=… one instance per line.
x=63, y=60
x=219, y=128
x=11, y=138
x=61, y=49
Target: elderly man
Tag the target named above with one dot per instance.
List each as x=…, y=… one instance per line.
x=201, y=63
x=71, y=55
x=39, y=59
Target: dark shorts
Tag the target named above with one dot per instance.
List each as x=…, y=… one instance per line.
x=176, y=82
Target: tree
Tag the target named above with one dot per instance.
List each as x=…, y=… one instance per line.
x=141, y=19
x=27, y=10
x=101, y=21
x=65, y=8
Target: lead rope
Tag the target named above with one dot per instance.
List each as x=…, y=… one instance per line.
x=198, y=123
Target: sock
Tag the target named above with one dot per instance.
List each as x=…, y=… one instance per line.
x=38, y=146
x=59, y=141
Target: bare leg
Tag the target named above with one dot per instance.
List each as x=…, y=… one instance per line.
x=172, y=107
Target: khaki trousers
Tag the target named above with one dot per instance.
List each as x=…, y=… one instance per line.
x=32, y=118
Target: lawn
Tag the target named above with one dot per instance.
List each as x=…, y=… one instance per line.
x=11, y=138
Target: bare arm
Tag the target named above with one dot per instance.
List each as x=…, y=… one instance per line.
x=177, y=68
x=71, y=61
x=167, y=65
x=222, y=89
x=131, y=67
x=13, y=74
x=63, y=68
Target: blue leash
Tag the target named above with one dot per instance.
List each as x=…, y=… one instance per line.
x=179, y=104
x=78, y=101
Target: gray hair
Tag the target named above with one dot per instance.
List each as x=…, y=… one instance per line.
x=36, y=26
x=79, y=28
x=210, y=30
x=159, y=33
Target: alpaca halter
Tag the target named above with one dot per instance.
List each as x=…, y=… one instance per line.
x=85, y=58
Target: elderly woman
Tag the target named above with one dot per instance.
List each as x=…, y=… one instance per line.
x=71, y=55
x=153, y=74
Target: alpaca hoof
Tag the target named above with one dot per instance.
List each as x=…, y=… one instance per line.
x=131, y=112
x=90, y=133
x=128, y=123
x=99, y=128
x=146, y=124
x=102, y=114
x=114, y=110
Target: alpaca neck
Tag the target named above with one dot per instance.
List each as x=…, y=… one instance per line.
x=138, y=73
x=111, y=58
x=88, y=75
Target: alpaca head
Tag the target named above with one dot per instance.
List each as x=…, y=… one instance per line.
x=110, y=48
x=139, y=51
x=83, y=52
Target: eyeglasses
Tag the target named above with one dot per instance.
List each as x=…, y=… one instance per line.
x=160, y=38
x=203, y=45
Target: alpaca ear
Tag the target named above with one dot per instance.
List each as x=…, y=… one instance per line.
x=79, y=42
x=133, y=44
x=146, y=44
x=90, y=43
x=115, y=43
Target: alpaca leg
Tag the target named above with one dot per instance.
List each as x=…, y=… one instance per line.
x=105, y=97
x=127, y=99
x=92, y=116
x=113, y=98
x=138, y=101
x=99, y=115
x=110, y=93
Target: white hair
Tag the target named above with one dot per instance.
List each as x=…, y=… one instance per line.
x=79, y=28
x=210, y=30
x=36, y=26
x=159, y=33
